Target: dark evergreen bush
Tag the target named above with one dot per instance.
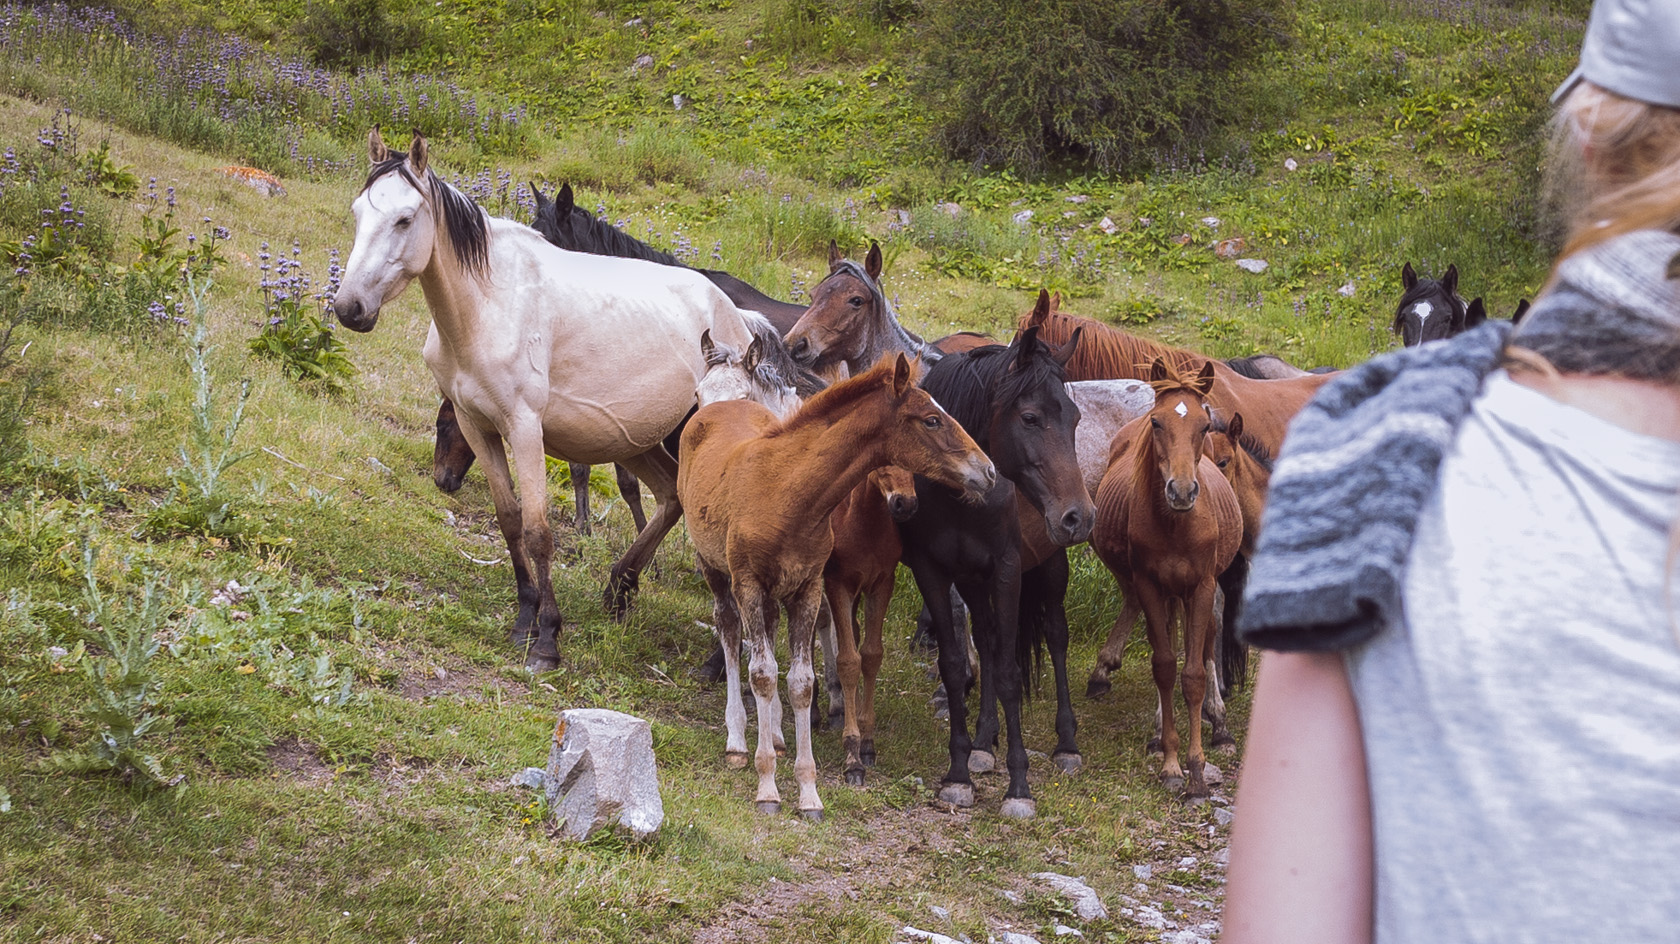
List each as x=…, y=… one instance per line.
x=349, y=32
x=1100, y=82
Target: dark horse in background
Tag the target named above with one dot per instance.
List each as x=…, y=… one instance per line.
x=562, y=222
x=1007, y=555
x=1432, y=309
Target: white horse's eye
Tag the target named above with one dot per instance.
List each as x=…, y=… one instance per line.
x=403, y=223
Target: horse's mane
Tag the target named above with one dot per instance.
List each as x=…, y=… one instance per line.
x=909, y=340
x=833, y=399
x=973, y=385
x=465, y=221
x=580, y=231
x=1107, y=352
x=1247, y=443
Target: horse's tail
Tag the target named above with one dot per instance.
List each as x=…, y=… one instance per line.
x=1043, y=590
x=1233, y=655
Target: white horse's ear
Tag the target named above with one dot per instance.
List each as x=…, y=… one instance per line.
x=377, y=151
x=755, y=351
x=903, y=376
x=706, y=345
x=872, y=262
x=417, y=155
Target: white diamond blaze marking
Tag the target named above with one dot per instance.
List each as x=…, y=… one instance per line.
x=1181, y=409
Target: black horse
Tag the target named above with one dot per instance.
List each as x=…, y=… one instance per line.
x=1006, y=557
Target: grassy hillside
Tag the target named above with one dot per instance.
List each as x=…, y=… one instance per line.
x=346, y=717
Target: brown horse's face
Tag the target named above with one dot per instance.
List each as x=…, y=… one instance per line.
x=1178, y=428
x=451, y=457
x=835, y=326
x=898, y=487
x=925, y=440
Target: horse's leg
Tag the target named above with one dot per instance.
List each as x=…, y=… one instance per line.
x=531, y=465
x=1213, y=704
x=1198, y=627
x=983, y=619
x=1163, y=661
x=826, y=629
x=876, y=600
x=632, y=492
x=658, y=471
x=957, y=788
x=1051, y=579
x=842, y=602
x=494, y=460
x=580, y=496
x=772, y=620
x=1005, y=676
x=1109, y=658
x=751, y=600
x=727, y=616
x=803, y=613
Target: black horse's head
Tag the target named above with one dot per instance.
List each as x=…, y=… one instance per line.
x=1432, y=310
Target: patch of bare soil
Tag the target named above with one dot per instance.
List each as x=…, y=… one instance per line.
x=298, y=760
x=889, y=858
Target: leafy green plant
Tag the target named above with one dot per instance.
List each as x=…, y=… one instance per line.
x=125, y=687
x=102, y=172
x=201, y=501
x=20, y=383
x=295, y=335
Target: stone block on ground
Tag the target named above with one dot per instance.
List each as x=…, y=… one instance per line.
x=601, y=773
x=1086, y=904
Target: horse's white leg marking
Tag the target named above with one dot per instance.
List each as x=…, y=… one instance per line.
x=728, y=618
x=751, y=600
x=803, y=610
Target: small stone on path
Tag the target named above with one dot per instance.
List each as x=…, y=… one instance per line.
x=1022, y=217
x=943, y=914
x=1016, y=937
x=1086, y=904
x=1346, y=291
x=1063, y=930
x=1143, y=871
x=1108, y=226
x=917, y=934
x=1223, y=816
x=531, y=778
x=1256, y=266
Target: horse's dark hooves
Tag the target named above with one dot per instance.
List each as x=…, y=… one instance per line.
x=1195, y=786
x=1172, y=782
x=1068, y=763
x=1223, y=742
x=957, y=794
x=1097, y=688
x=1019, y=808
x=854, y=776
x=981, y=762
x=539, y=661
x=811, y=816
x=711, y=671
x=867, y=755
x=769, y=807
x=736, y=760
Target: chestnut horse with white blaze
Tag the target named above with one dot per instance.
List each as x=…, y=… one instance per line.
x=585, y=358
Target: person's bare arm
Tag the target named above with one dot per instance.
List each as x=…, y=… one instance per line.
x=1300, y=869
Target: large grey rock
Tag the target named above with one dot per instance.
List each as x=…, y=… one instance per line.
x=601, y=772
x=1081, y=896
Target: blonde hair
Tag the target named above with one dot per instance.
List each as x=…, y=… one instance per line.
x=1614, y=167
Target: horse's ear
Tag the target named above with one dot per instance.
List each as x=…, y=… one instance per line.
x=537, y=195
x=1158, y=370
x=1041, y=309
x=1522, y=309
x=706, y=345
x=872, y=262
x=1066, y=353
x=1408, y=277
x=1025, y=341
x=1475, y=314
x=377, y=151
x=903, y=375
x=749, y=360
x=1055, y=301
x=563, y=202
x=1204, y=380
x=417, y=155
x=834, y=254
x=1450, y=280
x=1233, y=429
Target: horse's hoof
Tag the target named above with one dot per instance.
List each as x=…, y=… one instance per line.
x=1019, y=808
x=769, y=807
x=854, y=776
x=1154, y=746
x=811, y=816
x=1172, y=782
x=1096, y=688
x=867, y=755
x=960, y=795
x=981, y=762
x=1224, y=742
x=542, y=662
x=711, y=671
x=1068, y=763
x=736, y=760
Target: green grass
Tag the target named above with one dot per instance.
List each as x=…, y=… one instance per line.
x=1414, y=130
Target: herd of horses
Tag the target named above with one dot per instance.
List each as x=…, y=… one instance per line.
x=813, y=448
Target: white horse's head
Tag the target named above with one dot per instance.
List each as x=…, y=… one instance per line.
x=735, y=376
x=398, y=217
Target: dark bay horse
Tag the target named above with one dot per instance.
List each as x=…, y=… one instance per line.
x=1167, y=525
x=1432, y=309
x=1005, y=556
x=760, y=492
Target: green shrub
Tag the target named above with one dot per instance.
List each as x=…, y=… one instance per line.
x=346, y=32
x=1100, y=82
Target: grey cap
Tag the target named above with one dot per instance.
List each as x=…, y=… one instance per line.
x=1632, y=48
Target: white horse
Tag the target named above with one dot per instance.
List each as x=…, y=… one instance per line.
x=586, y=358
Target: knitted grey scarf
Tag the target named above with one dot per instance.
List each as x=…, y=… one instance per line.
x=1361, y=459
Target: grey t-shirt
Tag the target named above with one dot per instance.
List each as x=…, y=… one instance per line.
x=1522, y=723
